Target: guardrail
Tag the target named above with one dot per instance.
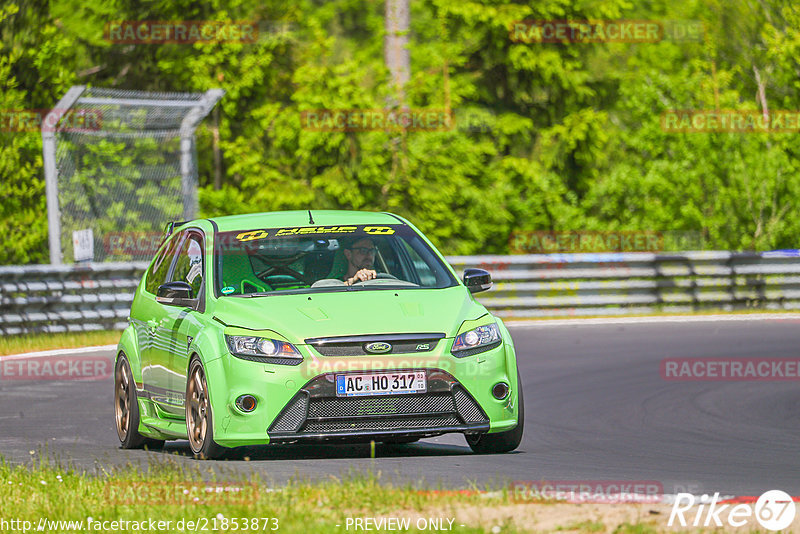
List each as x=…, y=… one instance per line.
x=97, y=296
x=548, y=285
x=61, y=298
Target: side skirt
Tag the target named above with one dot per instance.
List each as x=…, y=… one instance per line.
x=153, y=426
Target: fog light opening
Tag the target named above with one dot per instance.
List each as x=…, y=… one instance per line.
x=246, y=403
x=500, y=390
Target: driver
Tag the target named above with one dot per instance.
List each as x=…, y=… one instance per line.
x=360, y=259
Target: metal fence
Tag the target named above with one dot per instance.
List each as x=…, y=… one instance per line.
x=119, y=163
x=98, y=296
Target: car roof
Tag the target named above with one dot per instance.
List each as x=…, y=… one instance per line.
x=275, y=219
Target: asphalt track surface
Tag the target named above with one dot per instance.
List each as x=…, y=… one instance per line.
x=596, y=405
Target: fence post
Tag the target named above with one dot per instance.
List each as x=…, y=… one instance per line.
x=51, y=171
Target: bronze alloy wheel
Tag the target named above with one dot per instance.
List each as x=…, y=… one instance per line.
x=122, y=404
x=197, y=409
x=199, y=417
x=126, y=409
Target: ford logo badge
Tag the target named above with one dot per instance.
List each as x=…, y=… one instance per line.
x=379, y=347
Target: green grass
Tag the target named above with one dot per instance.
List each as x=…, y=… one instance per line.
x=35, y=342
x=165, y=491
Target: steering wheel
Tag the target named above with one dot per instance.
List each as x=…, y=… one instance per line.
x=378, y=276
x=277, y=269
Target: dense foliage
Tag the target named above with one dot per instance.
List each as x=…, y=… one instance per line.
x=563, y=136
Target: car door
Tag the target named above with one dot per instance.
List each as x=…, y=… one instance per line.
x=181, y=323
x=150, y=316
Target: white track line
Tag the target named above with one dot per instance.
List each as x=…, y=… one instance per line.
x=533, y=323
x=58, y=352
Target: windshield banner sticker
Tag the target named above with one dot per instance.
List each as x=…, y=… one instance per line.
x=253, y=235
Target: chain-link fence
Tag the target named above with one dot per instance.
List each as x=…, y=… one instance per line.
x=118, y=165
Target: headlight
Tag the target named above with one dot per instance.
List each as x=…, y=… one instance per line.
x=263, y=349
x=476, y=340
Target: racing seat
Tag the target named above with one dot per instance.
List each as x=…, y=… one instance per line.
x=237, y=272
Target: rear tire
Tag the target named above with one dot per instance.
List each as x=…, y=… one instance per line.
x=501, y=441
x=199, y=416
x=126, y=409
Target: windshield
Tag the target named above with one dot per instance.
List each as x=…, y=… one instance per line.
x=266, y=261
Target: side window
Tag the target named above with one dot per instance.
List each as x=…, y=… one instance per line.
x=189, y=267
x=426, y=277
x=157, y=274
x=386, y=260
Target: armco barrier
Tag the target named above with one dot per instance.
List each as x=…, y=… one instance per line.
x=98, y=296
x=548, y=285
x=61, y=298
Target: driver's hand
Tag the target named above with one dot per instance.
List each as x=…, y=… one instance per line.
x=361, y=276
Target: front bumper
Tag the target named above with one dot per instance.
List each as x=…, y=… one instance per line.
x=299, y=403
x=316, y=413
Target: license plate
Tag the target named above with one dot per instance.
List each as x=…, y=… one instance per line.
x=381, y=384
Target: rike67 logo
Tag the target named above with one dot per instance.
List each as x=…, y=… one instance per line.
x=774, y=510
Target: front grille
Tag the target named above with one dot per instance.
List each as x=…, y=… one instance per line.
x=382, y=424
x=293, y=416
x=395, y=405
x=356, y=345
x=467, y=407
x=316, y=410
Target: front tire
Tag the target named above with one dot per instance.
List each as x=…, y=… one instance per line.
x=126, y=409
x=199, y=416
x=501, y=442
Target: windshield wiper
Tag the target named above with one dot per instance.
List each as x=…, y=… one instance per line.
x=303, y=291
x=334, y=289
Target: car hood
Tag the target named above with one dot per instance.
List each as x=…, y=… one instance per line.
x=299, y=317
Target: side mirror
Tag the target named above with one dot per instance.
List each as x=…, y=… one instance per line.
x=175, y=294
x=477, y=280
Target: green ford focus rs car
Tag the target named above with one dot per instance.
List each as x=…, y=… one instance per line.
x=311, y=325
